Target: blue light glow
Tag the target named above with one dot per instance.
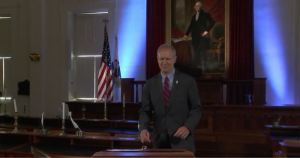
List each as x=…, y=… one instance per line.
x=270, y=51
x=131, y=20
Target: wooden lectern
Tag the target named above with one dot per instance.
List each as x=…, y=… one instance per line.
x=138, y=153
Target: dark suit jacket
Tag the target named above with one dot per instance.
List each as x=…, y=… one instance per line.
x=184, y=109
x=196, y=28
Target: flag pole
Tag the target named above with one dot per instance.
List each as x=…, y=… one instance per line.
x=106, y=77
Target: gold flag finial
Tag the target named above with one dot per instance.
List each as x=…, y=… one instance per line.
x=105, y=21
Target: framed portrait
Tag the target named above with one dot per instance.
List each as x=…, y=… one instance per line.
x=199, y=31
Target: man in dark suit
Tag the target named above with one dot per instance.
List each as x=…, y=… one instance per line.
x=201, y=23
x=173, y=97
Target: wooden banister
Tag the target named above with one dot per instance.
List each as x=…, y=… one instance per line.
x=127, y=88
x=211, y=90
x=132, y=89
x=138, y=91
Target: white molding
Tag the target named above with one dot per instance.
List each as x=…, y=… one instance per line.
x=67, y=10
x=11, y=85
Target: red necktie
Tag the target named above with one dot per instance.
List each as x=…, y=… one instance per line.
x=166, y=91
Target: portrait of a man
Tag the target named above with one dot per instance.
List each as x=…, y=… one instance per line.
x=198, y=34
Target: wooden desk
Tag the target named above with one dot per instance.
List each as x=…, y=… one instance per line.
x=223, y=131
x=275, y=135
x=289, y=149
x=148, y=153
x=18, y=144
x=68, y=137
x=88, y=125
x=55, y=150
x=6, y=146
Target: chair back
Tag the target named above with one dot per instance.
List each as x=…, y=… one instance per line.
x=38, y=153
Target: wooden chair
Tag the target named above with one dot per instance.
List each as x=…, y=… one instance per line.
x=283, y=152
x=38, y=153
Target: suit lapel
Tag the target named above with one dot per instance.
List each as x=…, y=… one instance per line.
x=174, y=88
x=160, y=90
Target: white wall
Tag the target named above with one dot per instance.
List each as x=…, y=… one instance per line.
x=60, y=20
x=131, y=20
x=45, y=27
x=18, y=67
x=87, y=40
x=276, y=28
x=297, y=51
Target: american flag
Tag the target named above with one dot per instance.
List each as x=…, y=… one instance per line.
x=105, y=78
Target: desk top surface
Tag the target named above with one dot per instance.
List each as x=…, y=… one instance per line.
x=69, y=136
x=282, y=127
x=59, y=149
x=147, y=153
x=293, y=145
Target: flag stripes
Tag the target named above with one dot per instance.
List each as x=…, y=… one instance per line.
x=105, y=77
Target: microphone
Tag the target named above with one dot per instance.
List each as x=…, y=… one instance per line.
x=74, y=124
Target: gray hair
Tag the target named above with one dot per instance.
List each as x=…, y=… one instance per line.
x=167, y=46
x=199, y=3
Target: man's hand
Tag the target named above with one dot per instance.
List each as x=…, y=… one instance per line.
x=185, y=37
x=182, y=132
x=204, y=33
x=145, y=136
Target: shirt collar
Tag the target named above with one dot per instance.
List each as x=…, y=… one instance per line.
x=170, y=76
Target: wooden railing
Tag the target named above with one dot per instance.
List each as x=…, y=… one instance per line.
x=246, y=91
x=133, y=89
x=238, y=91
x=211, y=91
x=138, y=88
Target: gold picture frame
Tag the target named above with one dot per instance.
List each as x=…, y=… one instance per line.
x=222, y=71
